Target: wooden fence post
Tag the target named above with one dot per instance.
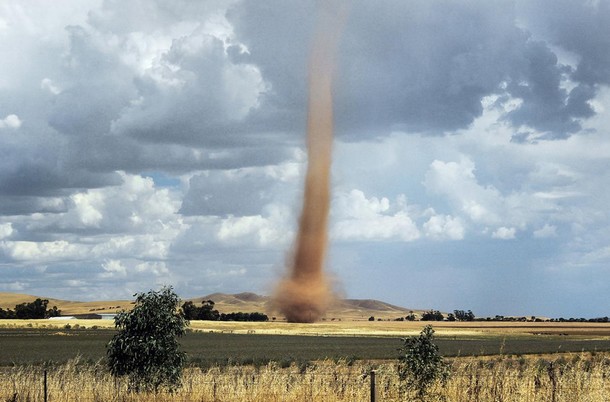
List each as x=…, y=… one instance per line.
x=46, y=398
x=373, y=393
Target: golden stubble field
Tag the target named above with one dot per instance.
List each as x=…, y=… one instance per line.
x=570, y=378
x=359, y=328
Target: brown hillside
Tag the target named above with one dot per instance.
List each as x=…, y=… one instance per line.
x=9, y=300
x=247, y=302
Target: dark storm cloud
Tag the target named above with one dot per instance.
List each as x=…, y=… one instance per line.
x=40, y=179
x=415, y=66
x=99, y=87
x=24, y=205
x=217, y=193
x=580, y=27
x=146, y=86
x=418, y=66
x=277, y=36
x=546, y=105
x=121, y=153
x=423, y=66
x=196, y=112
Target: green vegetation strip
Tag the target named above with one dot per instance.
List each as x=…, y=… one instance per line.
x=35, y=346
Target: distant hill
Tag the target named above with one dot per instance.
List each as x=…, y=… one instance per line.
x=67, y=307
x=344, y=309
x=247, y=302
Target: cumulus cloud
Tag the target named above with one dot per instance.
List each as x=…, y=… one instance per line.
x=545, y=231
x=42, y=251
x=457, y=180
x=49, y=85
x=485, y=205
x=578, y=28
x=6, y=230
x=113, y=268
x=250, y=230
x=222, y=85
x=230, y=192
x=441, y=78
x=444, y=227
x=357, y=217
x=10, y=121
x=504, y=233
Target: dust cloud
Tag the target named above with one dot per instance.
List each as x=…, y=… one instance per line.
x=305, y=294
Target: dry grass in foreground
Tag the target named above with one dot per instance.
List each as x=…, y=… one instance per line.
x=560, y=378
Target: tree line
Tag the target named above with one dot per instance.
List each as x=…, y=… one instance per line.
x=32, y=310
x=468, y=315
x=207, y=312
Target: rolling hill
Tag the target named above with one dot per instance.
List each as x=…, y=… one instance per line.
x=247, y=302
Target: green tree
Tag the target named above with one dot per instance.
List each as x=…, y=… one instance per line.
x=145, y=348
x=208, y=312
x=54, y=312
x=432, y=315
x=189, y=310
x=420, y=364
x=205, y=312
x=35, y=310
x=6, y=314
x=462, y=315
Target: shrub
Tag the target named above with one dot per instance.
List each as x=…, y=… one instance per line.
x=145, y=349
x=420, y=363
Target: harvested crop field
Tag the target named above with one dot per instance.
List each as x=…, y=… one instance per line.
x=204, y=347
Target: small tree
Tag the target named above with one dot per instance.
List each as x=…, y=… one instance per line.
x=420, y=364
x=189, y=310
x=432, y=315
x=145, y=348
x=208, y=312
x=462, y=315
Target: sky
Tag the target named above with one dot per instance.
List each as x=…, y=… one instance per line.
x=149, y=143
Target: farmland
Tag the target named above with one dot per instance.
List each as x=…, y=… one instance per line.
x=326, y=361
x=37, y=341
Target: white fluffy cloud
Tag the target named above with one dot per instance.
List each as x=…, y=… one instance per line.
x=113, y=268
x=444, y=227
x=546, y=231
x=6, y=230
x=504, y=233
x=48, y=251
x=360, y=218
x=10, y=121
x=457, y=180
x=484, y=205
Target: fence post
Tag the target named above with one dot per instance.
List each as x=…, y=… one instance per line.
x=373, y=393
x=45, y=386
x=553, y=378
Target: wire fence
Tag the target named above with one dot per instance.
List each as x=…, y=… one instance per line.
x=472, y=383
x=49, y=386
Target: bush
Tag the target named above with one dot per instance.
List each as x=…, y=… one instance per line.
x=420, y=363
x=146, y=349
x=432, y=315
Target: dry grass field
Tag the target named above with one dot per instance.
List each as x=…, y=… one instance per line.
x=361, y=328
x=567, y=378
